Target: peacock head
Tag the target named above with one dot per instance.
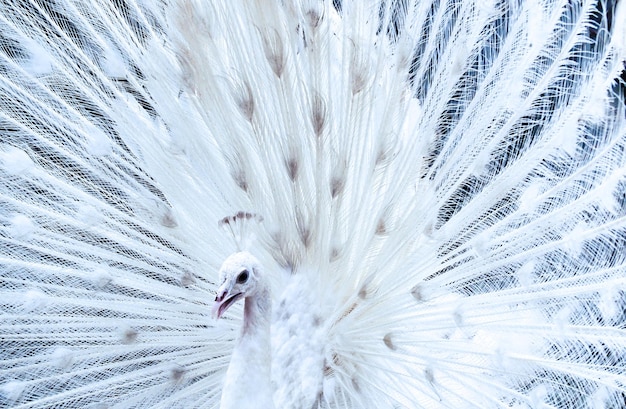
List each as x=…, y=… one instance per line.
x=239, y=276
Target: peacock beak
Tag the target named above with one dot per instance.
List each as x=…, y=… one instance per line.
x=224, y=299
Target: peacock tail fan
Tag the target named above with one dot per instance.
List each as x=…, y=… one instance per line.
x=436, y=191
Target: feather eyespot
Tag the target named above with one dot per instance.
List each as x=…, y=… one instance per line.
x=243, y=277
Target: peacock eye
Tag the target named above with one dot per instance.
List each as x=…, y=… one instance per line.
x=242, y=277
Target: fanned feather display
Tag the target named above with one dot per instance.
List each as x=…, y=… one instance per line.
x=436, y=191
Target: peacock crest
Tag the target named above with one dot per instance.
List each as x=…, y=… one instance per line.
x=238, y=227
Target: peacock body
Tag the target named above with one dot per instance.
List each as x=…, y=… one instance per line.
x=433, y=193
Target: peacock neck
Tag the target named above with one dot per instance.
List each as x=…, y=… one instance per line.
x=248, y=380
x=257, y=313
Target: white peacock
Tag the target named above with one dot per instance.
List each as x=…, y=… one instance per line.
x=442, y=185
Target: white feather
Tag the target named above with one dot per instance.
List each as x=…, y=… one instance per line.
x=441, y=185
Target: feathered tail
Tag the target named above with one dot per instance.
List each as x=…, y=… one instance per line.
x=448, y=175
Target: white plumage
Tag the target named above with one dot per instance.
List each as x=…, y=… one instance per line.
x=441, y=186
x=248, y=379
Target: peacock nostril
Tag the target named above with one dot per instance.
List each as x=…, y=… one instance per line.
x=220, y=295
